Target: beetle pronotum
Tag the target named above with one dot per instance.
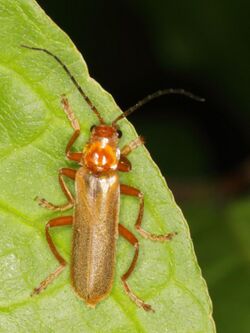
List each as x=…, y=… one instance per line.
x=96, y=204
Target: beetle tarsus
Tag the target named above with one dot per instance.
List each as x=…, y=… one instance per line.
x=44, y=284
x=147, y=307
x=153, y=237
x=138, y=301
x=46, y=204
x=132, y=145
x=35, y=292
x=70, y=114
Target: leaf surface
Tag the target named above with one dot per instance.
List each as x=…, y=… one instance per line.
x=34, y=133
x=226, y=263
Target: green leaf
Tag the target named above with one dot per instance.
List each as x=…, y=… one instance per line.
x=33, y=136
x=225, y=225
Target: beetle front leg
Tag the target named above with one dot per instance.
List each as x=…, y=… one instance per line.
x=124, y=164
x=76, y=127
x=132, y=146
x=133, y=241
x=129, y=190
x=57, y=222
x=46, y=204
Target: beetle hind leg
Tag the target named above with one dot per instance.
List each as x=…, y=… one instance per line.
x=138, y=301
x=44, y=284
x=57, y=222
x=133, y=241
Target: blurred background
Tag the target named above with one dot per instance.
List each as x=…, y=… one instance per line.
x=135, y=47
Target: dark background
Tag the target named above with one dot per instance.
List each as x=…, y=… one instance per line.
x=133, y=48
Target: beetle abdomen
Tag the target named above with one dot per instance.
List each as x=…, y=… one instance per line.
x=95, y=230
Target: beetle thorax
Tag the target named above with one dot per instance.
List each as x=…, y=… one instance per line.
x=101, y=154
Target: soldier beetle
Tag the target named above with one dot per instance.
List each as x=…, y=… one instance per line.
x=96, y=203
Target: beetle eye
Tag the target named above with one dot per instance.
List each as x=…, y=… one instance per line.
x=119, y=132
x=92, y=127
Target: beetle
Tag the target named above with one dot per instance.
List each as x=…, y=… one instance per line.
x=96, y=204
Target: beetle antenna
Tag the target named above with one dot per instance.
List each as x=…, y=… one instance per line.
x=85, y=97
x=156, y=95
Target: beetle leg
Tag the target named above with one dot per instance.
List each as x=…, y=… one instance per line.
x=124, y=164
x=129, y=190
x=132, y=146
x=57, y=222
x=44, y=203
x=75, y=124
x=133, y=241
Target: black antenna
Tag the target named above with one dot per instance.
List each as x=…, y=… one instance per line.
x=156, y=95
x=85, y=97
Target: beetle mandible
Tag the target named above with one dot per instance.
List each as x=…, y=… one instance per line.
x=96, y=204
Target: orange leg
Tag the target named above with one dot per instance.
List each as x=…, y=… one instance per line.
x=75, y=124
x=57, y=222
x=129, y=190
x=124, y=164
x=133, y=241
x=44, y=203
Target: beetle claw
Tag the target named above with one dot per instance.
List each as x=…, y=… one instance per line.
x=147, y=307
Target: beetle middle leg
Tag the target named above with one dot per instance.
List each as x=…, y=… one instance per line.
x=132, y=191
x=56, y=222
x=133, y=241
x=44, y=203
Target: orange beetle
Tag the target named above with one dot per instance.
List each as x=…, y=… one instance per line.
x=96, y=204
